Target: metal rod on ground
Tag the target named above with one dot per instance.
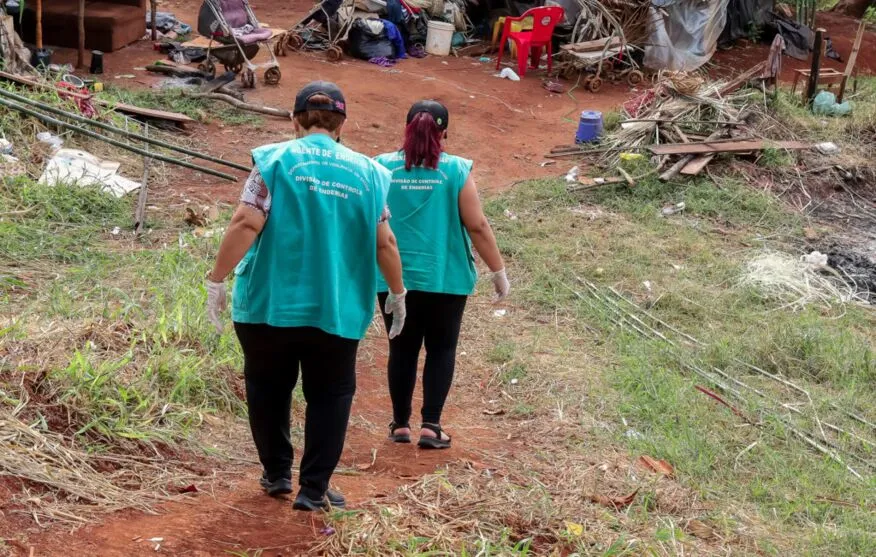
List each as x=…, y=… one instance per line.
x=89, y=133
x=817, y=48
x=77, y=118
x=140, y=213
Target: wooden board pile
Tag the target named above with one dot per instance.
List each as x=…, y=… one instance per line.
x=685, y=122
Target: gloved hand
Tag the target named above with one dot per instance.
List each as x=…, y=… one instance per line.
x=500, y=285
x=395, y=305
x=216, y=303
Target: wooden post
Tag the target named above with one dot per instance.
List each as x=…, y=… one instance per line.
x=153, y=7
x=39, y=24
x=850, y=65
x=140, y=212
x=817, y=49
x=80, y=56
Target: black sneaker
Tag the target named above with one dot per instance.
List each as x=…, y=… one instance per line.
x=331, y=499
x=280, y=486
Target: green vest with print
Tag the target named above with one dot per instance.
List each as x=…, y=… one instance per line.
x=434, y=245
x=313, y=264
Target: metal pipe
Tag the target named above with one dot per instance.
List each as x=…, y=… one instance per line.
x=77, y=118
x=89, y=133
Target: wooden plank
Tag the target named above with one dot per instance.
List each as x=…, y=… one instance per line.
x=853, y=57
x=587, y=46
x=204, y=42
x=697, y=165
x=725, y=147
x=118, y=107
x=742, y=79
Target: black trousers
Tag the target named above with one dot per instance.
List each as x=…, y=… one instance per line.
x=434, y=320
x=272, y=358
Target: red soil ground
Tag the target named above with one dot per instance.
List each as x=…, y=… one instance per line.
x=504, y=126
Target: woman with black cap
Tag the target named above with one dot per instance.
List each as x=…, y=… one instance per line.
x=303, y=244
x=437, y=216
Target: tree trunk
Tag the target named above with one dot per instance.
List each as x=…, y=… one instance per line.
x=853, y=8
x=80, y=56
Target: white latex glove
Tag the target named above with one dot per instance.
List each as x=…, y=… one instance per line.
x=216, y=303
x=500, y=285
x=395, y=305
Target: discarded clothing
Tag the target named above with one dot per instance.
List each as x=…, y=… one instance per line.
x=166, y=22
x=774, y=61
x=383, y=62
x=395, y=37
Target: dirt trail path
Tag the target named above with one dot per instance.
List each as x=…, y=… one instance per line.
x=238, y=516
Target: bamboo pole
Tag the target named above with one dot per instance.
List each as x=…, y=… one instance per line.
x=125, y=133
x=93, y=135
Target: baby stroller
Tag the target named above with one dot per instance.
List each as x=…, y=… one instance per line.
x=323, y=28
x=233, y=25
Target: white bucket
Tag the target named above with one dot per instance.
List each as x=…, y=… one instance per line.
x=439, y=36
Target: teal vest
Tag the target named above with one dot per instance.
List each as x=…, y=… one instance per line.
x=313, y=265
x=434, y=245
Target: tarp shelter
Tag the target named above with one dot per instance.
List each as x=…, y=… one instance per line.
x=686, y=33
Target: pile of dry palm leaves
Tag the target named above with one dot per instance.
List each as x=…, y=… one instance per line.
x=599, y=19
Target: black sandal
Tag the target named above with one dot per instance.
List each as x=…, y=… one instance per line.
x=434, y=442
x=400, y=437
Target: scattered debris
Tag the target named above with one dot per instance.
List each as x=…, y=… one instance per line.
x=660, y=466
x=825, y=104
x=827, y=148
x=71, y=166
x=616, y=503
x=795, y=282
x=669, y=210
x=508, y=73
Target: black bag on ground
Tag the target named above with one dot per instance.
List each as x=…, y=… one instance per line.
x=364, y=43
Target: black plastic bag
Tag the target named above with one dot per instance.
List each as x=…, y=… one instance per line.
x=365, y=44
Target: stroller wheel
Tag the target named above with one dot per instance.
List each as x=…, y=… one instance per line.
x=334, y=54
x=233, y=67
x=595, y=84
x=272, y=76
x=208, y=68
x=294, y=41
x=635, y=77
x=247, y=79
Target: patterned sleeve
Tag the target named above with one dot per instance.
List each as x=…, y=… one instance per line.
x=255, y=193
x=385, y=215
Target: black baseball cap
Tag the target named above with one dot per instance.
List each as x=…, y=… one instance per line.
x=303, y=101
x=435, y=108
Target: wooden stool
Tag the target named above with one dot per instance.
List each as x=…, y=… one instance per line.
x=826, y=75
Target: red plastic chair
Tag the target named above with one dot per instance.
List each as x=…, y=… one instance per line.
x=530, y=43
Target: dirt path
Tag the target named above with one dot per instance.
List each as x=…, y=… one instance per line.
x=237, y=516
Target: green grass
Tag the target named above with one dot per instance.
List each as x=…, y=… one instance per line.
x=691, y=262
x=140, y=362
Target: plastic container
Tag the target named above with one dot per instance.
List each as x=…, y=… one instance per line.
x=439, y=36
x=589, y=127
